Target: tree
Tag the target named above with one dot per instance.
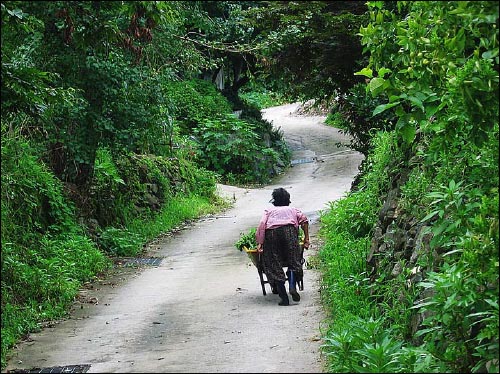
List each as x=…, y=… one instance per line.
x=220, y=34
x=100, y=53
x=310, y=49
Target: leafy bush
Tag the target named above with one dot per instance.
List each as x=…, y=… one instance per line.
x=32, y=198
x=194, y=101
x=233, y=149
x=461, y=323
x=262, y=99
x=445, y=148
x=367, y=345
x=138, y=185
x=355, y=110
x=120, y=242
x=336, y=119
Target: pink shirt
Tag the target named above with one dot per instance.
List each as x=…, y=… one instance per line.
x=278, y=216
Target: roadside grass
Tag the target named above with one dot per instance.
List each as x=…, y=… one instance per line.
x=177, y=211
x=39, y=285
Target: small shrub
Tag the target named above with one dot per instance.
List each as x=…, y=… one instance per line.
x=231, y=147
x=262, y=99
x=194, y=101
x=356, y=112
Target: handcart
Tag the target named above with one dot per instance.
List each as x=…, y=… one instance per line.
x=256, y=258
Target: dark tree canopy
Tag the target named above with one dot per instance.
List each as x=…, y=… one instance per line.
x=312, y=47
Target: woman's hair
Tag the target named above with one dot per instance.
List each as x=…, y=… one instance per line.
x=281, y=197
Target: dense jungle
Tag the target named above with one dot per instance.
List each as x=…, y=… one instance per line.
x=121, y=120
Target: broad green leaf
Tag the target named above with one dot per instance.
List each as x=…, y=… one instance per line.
x=426, y=331
x=400, y=111
x=16, y=13
x=430, y=110
x=376, y=85
x=431, y=98
x=439, y=229
x=408, y=132
x=367, y=72
x=429, y=216
x=383, y=71
x=490, y=54
x=383, y=107
x=424, y=304
x=416, y=102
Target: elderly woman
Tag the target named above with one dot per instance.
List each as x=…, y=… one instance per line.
x=278, y=239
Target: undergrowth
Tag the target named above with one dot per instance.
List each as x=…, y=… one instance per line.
x=49, y=251
x=439, y=94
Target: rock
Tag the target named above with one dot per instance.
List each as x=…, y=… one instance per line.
x=398, y=268
x=388, y=211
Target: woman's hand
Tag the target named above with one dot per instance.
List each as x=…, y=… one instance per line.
x=260, y=249
x=306, y=244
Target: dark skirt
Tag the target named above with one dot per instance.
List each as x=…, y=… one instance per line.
x=282, y=249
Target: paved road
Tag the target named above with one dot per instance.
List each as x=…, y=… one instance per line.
x=202, y=309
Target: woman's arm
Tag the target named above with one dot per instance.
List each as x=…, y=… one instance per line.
x=261, y=231
x=305, y=228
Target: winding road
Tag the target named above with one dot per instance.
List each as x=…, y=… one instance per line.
x=202, y=309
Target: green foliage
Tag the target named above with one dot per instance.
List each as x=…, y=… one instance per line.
x=45, y=254
x=261, y=100
x=336, y=119
x=257, y=95
x=355, y=110
x=245, y=157
x=120, y=242
x=460, y=306
x=89, y=100
x=136, y=186
x=354, y=216
x=180, y=209
x=412, y=68
x=311, y=48
x=344, y=277
x=31, y=197
x=105, y=171
x=92, y=114
x=89, y=96
x=367, y=346
x=247, y=240
x=194, y=101
x=429, y=61
x=233, y=149
x=382, y=164
x=413, y=190
x=347, y=227
x=140, y=196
